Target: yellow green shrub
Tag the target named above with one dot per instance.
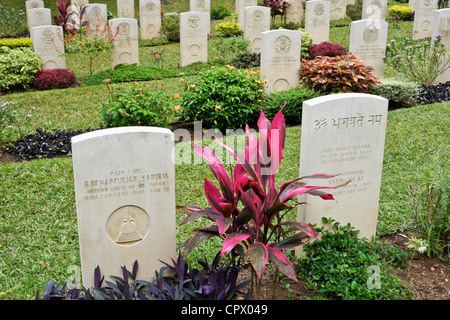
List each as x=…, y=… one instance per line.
x=16, y=43
x=402, y=12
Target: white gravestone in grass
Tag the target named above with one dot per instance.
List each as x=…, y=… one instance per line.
x=240, y=5
x=368, y=42
x=202, y=6
x=126, y=42
x=374, y=9
x=32, y=4
x=317, y=20
x=256, y=21
x=423, y=18
x=344, y=134
x=125, y=198
x=39, y=17
x=280, y=59
x=150, y=19
x=294, y=12
x=193, y=37
x=97, y=21
x=48, y=43
x=441, y=26
x=125, y=9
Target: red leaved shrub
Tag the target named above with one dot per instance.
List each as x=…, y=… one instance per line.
x=337, y=74
x=326, y=48
x=54, y=79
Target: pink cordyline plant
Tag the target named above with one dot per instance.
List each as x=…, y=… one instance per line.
x=247, y=209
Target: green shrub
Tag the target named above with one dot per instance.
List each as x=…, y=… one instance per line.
x=135, y=105
x=219, y=12
x=226, y=50
x=18, y=67
x=16, y=42
x=228, y=29
x=307, y=42
x=343, y=266
x=292, y=100
x=222, y=98
x=400, y=93
x=170, y=26
x=403, y=12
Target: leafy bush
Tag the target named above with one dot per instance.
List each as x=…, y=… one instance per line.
x=403, y=12
x=54, y=79
x=211, y=282
x=292, y=100
x=435, y=93
x=228, y=49
x=170, y=25
x=223, y=97
x=343, y=266
x=135, y=105
x=42, y=144
x=219, y=12
x=17, y=42
x=228, y=29
x=420, y=60
x=307, y=42
x=247, y=60
x=400, y=93
x=337, y=74
x=354, y=11
x=18, y=67
x=326, y=48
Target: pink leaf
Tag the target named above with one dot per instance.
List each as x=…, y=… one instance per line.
x=280, y=260
x=259, y=256
x=231, y=241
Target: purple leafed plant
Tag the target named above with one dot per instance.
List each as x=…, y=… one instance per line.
x=247, y=209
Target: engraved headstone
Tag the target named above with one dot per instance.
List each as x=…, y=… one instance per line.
x=441, y=26
x=125, y=199
x=193, y=37
x=256, y=21
x=368, y=42
x=374, y=9
x=32, y=4
x=317, y=20
x=240, y=5
x=48, y=43
x=125, y=9
x=344, y=134
x=294, y=12
x=126, y=42
x=202, y=6
x=96, y=18
x=338, y=9
x=280, y=59
x=423, y=18
x=39, y=17
x=150, y=18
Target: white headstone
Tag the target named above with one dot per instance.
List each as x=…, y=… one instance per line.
x=256, y=21
x=441, y=25
x=125, y=198
x=338, y=9
x=126, y=42
x=240, y=5
x=39, y=17
x=280, y=59
x=32, y=4
x=423, y=18
x=48, y=43
x=150, y=18
x=294, y=12
x=125, y=9
x=368, y=42
x=97, y=20
x=374, y=9
x=193, y=37
x=344, y=134
x=202, y=6
x=317, y=20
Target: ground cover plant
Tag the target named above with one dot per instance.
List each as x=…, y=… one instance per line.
x=38, y=228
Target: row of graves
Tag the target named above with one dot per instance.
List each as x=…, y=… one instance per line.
x=280, y=49
x=125, y=177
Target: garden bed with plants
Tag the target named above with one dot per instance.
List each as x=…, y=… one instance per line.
x=41, y=110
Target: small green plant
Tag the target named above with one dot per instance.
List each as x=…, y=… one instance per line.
x=341, y=265
x=10, y=122
x=219, y=12
x=403, y=12
x=170, y=25
x=18, y=67
x=16, y=42
x=228, y=29
x=135, y=105
x=420, y=60
x=158, y=57
x=226, y=50
x=400, y=93
x=11, y=21
x=222, y=98
x=307, y=42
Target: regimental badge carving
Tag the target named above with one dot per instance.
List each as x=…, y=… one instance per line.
x=428, y=2
x=35, y=5
x=319, y=9
x=128, y=225
x=150, y=6
x=48, y=36
x=370, y=34
x=258, y=16
x=282, y=44
x=124, y=28
x=201, y=4
x=96, y=12
x=194, y=22
x=39, y=16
